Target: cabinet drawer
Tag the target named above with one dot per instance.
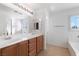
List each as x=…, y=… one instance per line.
x=33, y=40
x=24, y=42
x=32, y=53
x=32, y=46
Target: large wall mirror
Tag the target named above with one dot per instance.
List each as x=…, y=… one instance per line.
x=12, y=23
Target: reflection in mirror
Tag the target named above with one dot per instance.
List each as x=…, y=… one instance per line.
x=9, y=27
x=12, y=23
x=13, y=26
x=16, y=26
x=4, y=17
x=3, y=24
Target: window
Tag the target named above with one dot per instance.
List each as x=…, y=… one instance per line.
x=74, y=22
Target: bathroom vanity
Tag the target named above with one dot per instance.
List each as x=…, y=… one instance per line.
x=18, y=34
x=29, y=46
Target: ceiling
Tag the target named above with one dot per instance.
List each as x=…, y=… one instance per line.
x=52, y=6
x=42, y=8
x=9, y=12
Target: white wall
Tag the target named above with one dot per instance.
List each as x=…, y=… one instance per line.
x=60, y=35
x=41, y=14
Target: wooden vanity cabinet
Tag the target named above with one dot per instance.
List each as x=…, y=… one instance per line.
x=10, y=50
x=32, y=46
x=23, y=48
x=39, y=43
x=29, y=47
x=42, y=42
x=0, y=52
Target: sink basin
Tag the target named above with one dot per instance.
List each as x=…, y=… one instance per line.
x=5, y=42
x=7, y=38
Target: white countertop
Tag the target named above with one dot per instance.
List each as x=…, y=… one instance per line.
x=18, y=38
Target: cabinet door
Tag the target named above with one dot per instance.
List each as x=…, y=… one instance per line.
x=39, y=43
x=23, y=48
x=10, y=50
x=32, y=47
x=0, y=52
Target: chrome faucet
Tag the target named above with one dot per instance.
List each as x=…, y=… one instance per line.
x=78, y=36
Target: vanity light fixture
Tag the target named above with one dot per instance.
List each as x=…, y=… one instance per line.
x=23, y=8
x=17, y=12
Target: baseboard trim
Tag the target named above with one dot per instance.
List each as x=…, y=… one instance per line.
x=59, y=45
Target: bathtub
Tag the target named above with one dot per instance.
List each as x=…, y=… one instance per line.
x=73, y=47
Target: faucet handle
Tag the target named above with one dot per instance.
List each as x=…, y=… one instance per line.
x=78, y=36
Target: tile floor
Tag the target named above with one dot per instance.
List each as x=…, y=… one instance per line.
x=54, y=51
